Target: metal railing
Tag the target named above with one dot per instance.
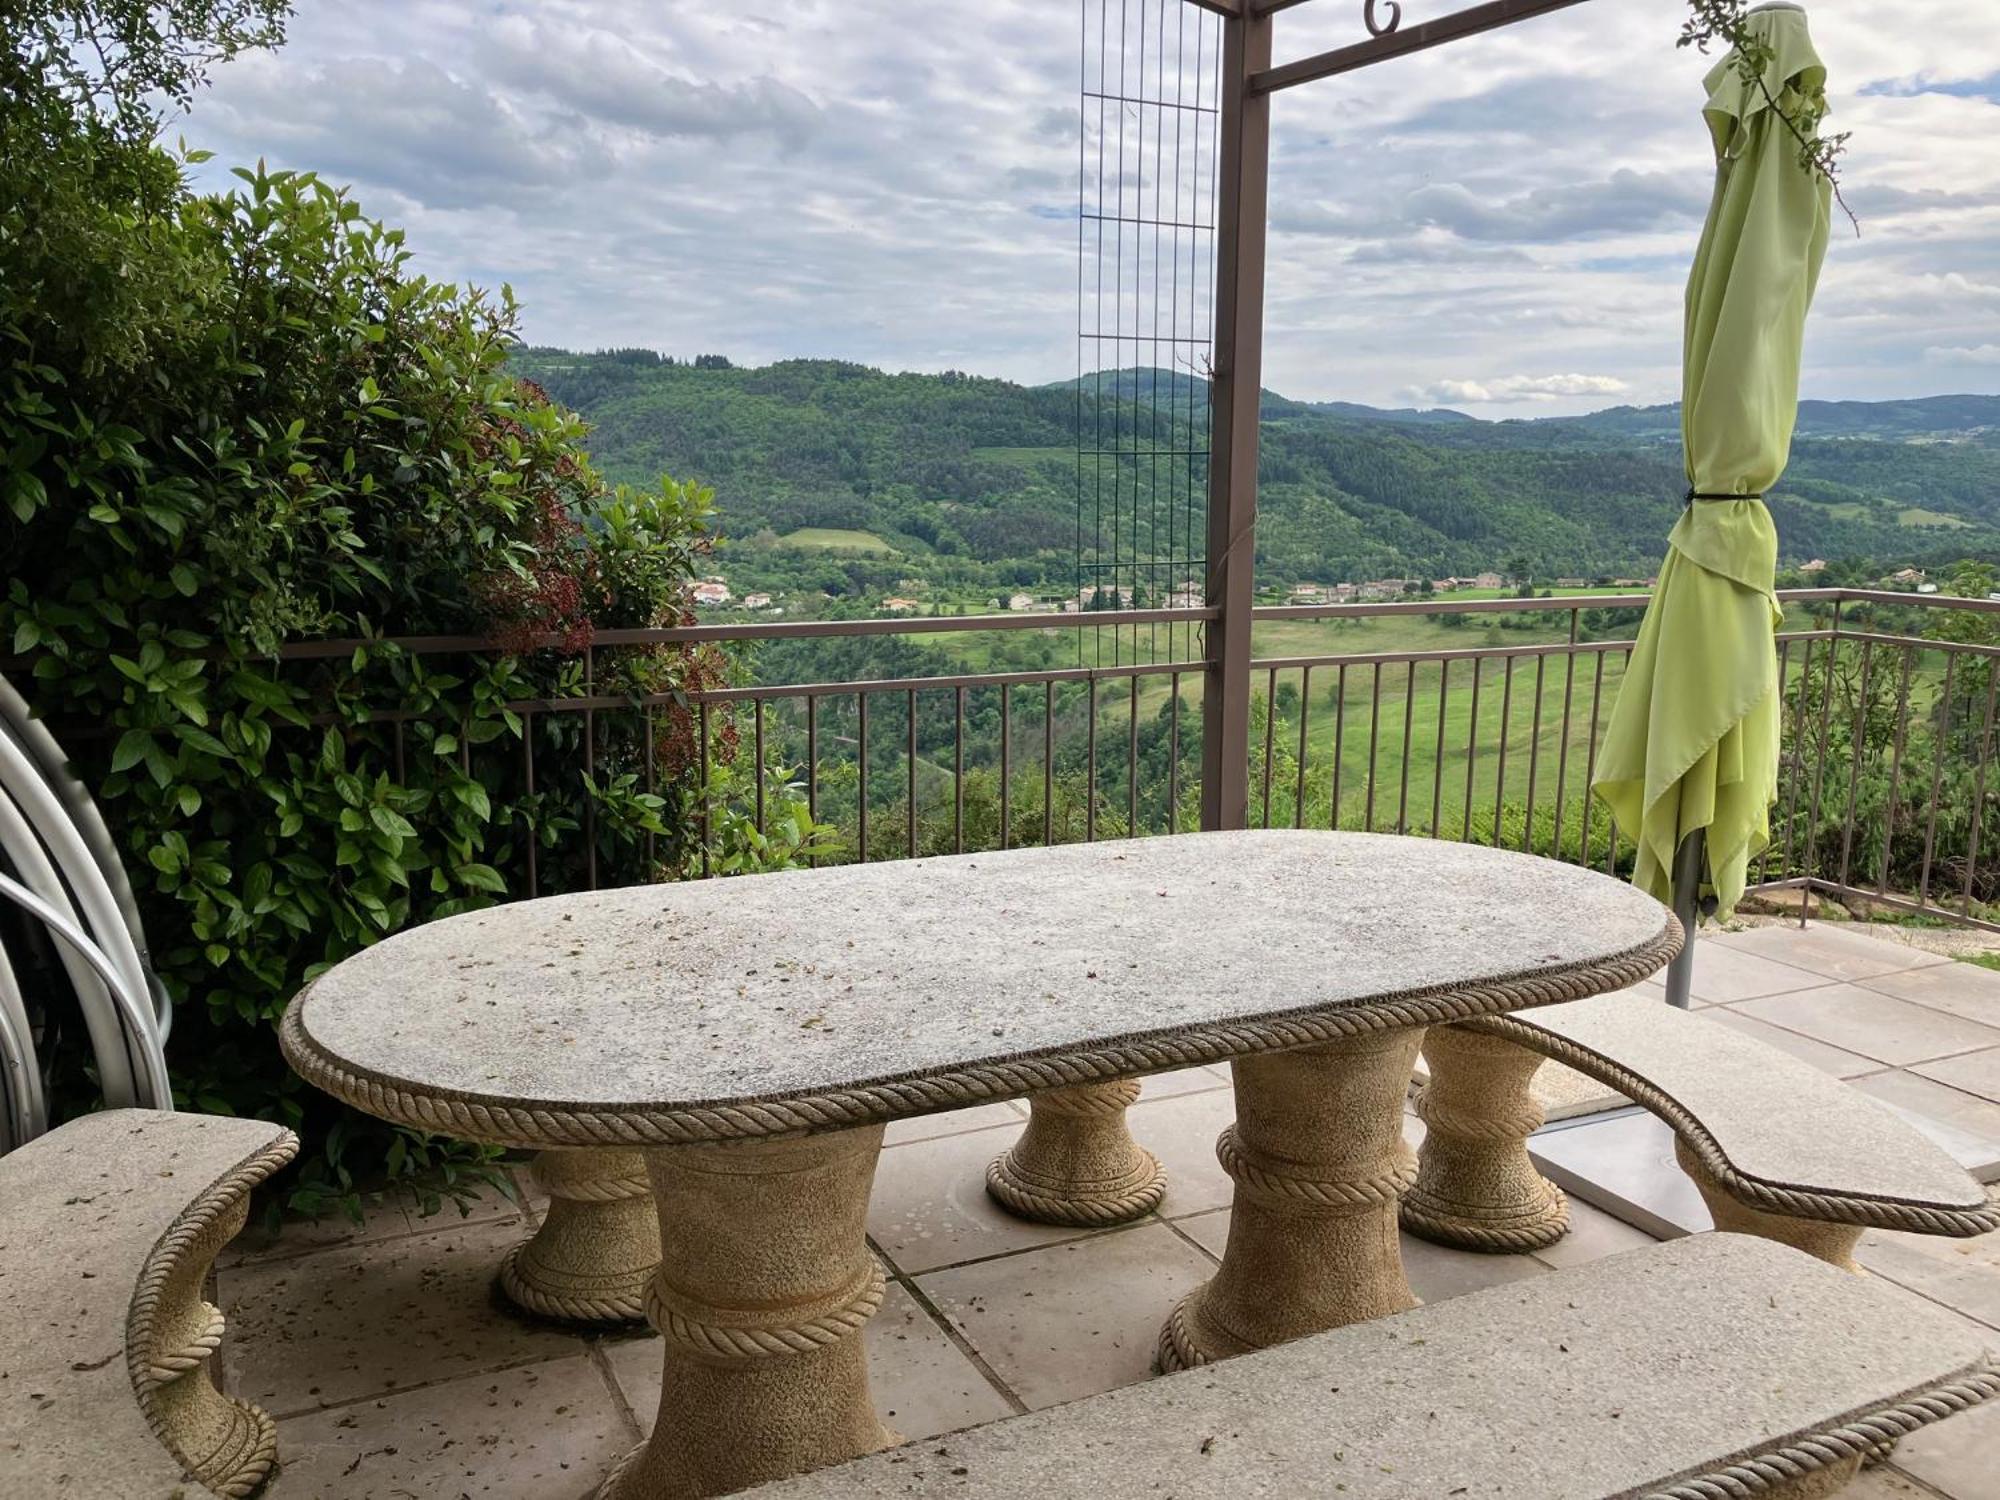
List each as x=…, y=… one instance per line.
x=1888, y=708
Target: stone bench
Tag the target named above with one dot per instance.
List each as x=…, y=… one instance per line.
x=1776, y=1147
x=108, y=1228
x=1715, y=1366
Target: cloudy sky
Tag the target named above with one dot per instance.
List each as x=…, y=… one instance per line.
x=1502, y=225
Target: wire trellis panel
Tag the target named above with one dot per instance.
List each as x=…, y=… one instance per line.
x=1148, y=95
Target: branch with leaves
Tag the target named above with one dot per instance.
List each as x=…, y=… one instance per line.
x=1727, y=23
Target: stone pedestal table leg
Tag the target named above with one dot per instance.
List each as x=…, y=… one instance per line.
x=599, y=1244
x=1832, y=1243
x=1319, y=1160
x=1077, y=1163
x=765, y=1282
x=1476, y=1187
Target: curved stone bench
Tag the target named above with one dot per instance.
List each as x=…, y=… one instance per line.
x=1711, y=1367
x=108, y=1227
x=1776, y=1147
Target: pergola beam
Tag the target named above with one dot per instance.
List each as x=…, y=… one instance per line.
x=1426, y=34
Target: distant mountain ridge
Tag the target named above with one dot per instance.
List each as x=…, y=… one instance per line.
x=848, y=480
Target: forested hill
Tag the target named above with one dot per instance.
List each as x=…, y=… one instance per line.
x=842, y=477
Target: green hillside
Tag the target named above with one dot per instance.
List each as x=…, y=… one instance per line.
x=968, y=486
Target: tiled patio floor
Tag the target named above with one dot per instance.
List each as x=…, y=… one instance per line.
x=396, y=1373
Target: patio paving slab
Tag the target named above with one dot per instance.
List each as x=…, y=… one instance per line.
x=1624, y=1165
x=1436, y=1272
x=1963, y=1275
x=923, y=1382
x=1822, y=1055
x=930, y=1207
x=1958, y=1457
x=1833, y=950
x=367, y=1319
x=1181, y=1132
x=1183, y=1081
x=1070, y=1320
x=542, y=1432
x=1960, y=989
x=1723, y=975
x=1871, y=1024
x=953, y=1122
x=1972, y=1072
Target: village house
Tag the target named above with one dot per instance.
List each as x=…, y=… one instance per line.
x=1019, y=602
x=1817, y=565
x=1907, y=575
x=1486, y=580
x=900, y=606
x=756, y=601
x=711, y=593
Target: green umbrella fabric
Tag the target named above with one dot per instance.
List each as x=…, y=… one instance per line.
x=1693, y=739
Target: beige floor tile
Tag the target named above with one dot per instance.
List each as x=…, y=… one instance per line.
x=1877, y=1026
x=542, y=1432
x=1183, y=1081
x=954, y=1122
x=1723, y=975
x=369, y=1319
x=379, y=1221
x=1181, y=1132
x=1835, y=951
x=1958, y=1455
x=1593, y=1234
x=1962, y=989
x=930, y=1206
x=1973, y=1072
x=1070, y=1320
x=1826, y=1058
x=1964, y=1275
x=1887, y=1484
x=923, y=1383
x=1954, y=1107
x=1438, y=1272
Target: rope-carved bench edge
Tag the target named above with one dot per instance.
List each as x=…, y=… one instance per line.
x=1761, y=1472
x=1800, y=1203
x=541, y=1125
x=167, y=1259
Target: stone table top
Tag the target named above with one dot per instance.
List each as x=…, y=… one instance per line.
x=821, y=999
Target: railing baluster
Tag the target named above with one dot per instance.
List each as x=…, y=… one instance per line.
x=1471, y=747
x=589, y=770
x=757, y=754
x=1174, y=758
x=1500, y=766
x=910, y=761
x=1979, y=785
x=861, y=761
x=1374, y=728
x=1895, y=772
x=1534, y=755
x=1270, y=726
x=706, y=783
x=958, y=770
x=1409, y=721
x=1090, y=759
x=534, y=820
x=1590, y=758
x=1811, y=867
x=812, y=762
x=1299, y=782
x=1048, y=764
x=1132, y=762
x=1784, y=671
x=1006, y=763
x=1339, y=740
x=652, y=787
x=1940, y=740
x=1856, y=738
x=1437, y=765
x=1562, y=736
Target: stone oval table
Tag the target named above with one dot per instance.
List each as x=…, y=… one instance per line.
x=751, y=1037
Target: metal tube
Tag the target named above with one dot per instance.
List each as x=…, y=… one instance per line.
x=1689, y=861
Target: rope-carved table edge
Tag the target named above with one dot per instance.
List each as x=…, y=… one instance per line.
x=538, y=1125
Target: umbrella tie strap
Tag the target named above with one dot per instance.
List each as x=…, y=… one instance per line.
x=1694, y=495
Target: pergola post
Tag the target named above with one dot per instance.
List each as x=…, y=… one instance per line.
x=1234, y=385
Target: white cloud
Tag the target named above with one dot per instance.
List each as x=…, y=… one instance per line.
x=1977, y=354
x=894, y=181
x=1507, y=389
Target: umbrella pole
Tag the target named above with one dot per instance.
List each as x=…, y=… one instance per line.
x=1688, y=860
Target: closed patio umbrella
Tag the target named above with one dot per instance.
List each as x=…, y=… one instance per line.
x=1690, y=760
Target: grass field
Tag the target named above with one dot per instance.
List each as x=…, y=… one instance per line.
x=832, y=539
